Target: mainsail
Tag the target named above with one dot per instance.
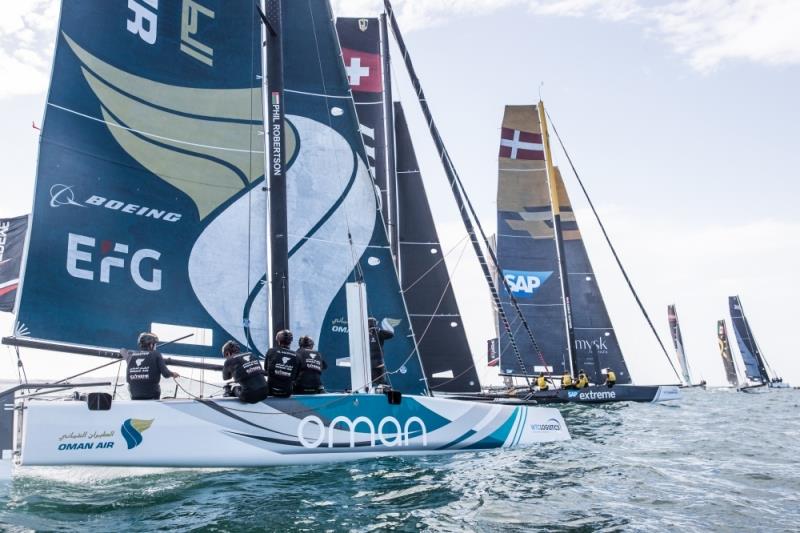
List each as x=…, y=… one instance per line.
x=526, y=250
x=148, y=209
x=336, y=233
x=725, y=352
x=426, y=282
x=752, y=358
x=677, y=341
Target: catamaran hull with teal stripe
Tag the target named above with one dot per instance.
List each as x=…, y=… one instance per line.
x=299, y=430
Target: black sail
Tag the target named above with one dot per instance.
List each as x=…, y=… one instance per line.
x=429, y=295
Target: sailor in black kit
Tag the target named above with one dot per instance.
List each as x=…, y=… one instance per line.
x=245, y=369
x=281, y=365
x=145, y=369
x=377, y=335
x=310, y=366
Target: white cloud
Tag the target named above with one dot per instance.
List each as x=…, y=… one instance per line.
x=27, y=31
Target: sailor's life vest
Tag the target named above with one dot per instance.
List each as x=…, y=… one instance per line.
x=566, y=380
x=246, y=370
x=583, y=381
x=541, y=382
x=144, y=375
x=282, y=370
x=611, y=377
x=309, y=374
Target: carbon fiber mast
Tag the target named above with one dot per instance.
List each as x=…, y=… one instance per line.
x=464, y=204
x=559, y=238
x=393, y=220
x=276, y=161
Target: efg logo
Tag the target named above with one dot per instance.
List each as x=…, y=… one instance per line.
x=525, y=284
x=550, y=425
x=132, y=430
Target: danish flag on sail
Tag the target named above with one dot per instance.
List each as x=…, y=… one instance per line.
x=517, y=144
x=363, y=70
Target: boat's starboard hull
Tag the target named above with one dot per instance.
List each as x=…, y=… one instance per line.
x=298, y=430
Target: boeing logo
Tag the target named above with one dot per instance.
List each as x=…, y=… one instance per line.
x=61, y=194
x=524, y=284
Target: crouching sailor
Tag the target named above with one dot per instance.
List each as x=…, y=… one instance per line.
x=310, y=366
x=145, y=368
x=281, y=365
x=611, y=378
x=541, y=382
x=245, y=369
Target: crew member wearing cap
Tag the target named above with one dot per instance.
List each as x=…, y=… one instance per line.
x=281, y=365
x=146, y=366
x=245, y=369
x=310, y=364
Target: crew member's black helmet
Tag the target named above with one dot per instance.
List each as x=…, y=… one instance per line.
x=231, y=347
x=284, y=337
x=372, y=322
x=306, y=342
x=147, y=339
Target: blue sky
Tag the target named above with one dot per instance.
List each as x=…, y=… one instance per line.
x=681, y=116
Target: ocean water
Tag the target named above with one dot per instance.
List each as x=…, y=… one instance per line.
x=716, y=461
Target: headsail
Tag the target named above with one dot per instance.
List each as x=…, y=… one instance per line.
x=148, y=206
x=677, y=341
x=426, y=282
x=527, y=252
x=12, y=243
x=336, y=233
x=751, y=356
x=725, y=352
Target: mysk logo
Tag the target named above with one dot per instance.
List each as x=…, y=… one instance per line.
x=588, y=344
x=61, y=194
x=142, y=265
x=524, y=284
x=132, y=430
x=550, y=425
x=396, y=435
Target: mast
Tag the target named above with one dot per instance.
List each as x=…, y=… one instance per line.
x=278, y=243
x=392, y=222
x=559, y=238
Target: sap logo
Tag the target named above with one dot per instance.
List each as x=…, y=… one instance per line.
x=572, y=394
x=524, y=284
x=61, y=194
x=398, y=436
x=145, y=21
x=550, y=425
x=139, y=361
x=138, y=261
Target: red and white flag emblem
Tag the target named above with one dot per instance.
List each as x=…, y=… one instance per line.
x=363, y=70
x=517, y=144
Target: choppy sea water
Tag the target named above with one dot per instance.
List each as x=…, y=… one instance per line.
x=716, y=461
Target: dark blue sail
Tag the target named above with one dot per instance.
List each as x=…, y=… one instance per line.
x=12, y=242
x=152, y=142
x=751, y=356
x=336, y=233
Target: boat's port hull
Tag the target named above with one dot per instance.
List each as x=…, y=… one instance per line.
x=298, y=430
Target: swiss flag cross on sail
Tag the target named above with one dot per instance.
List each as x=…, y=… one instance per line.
x=517, y=144
x=363, y=70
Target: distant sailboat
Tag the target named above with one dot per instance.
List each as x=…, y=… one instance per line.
x=677, y=341
x=755, y=364
x=727, y=356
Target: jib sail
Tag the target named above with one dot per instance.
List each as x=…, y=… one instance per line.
x=149, y=211
x=751, y=356
x=426, y=283
x=677, y=341
x=336, y=233
x=12, y=242
x=528, y=257
x=725, y=353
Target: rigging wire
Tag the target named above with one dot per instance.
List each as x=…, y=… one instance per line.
x=613, y=250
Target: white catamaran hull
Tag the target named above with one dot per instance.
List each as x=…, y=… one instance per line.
x=298, y=430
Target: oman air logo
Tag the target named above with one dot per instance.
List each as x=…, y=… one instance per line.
x=246, y=358
x=132, y=430
x=525, y=284
x=139, y=361
x=285, y=360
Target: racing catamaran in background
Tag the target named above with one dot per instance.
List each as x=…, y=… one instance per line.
x=677, y=341
x=755, y=364
x=156, y=137
x=547, y=268
x=731, y=372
